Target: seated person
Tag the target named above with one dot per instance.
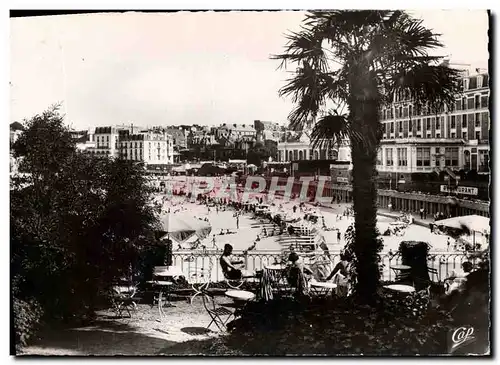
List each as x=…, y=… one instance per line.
x=340, y=275
x=458, y=278
x=227, y=264
x=299, y=274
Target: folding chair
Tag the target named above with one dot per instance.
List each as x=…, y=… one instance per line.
x=434, y=271
x=403, y=277
x=124, y=300
x=199, y=279
x=233, y=283
x=219, y=314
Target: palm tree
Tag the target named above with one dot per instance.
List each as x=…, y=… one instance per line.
x=357, y=62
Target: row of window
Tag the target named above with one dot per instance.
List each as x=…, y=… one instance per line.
x=465, y=103
x=453, y=135
x=462, y=120
x=423, y=156
x=301, y=155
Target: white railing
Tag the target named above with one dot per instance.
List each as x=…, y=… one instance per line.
x=443, y=262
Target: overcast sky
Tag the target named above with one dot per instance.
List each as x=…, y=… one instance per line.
x=178, y=68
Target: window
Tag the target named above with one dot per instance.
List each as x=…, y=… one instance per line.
x=478, y=135
x=438, y=123
x=388, y=159
x=484, y=101
x=400, y=126
x=458, y=105
x=464, y=103
x=411, y=110
x=464, y=135
x=438, y=135
x=453, y=135
x=477, y=102
x=400, y=112
x=438, y=156
x=464, y=120
x=466, y=84
x=470, y=103
x=107, y=138
x=392, y=127
x=480, y=82
x=451, y=156
x=410, y=126
x=428, y=124
x=453, y=122
x=402, y=157
x=419, y=125
x=423, y=156
x=483, y=161
x=478, y=120
x=405, y=112
x=379, y=157
x=485, y=118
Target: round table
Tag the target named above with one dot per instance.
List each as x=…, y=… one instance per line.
x=162, y=285
x=401, y=267
x=400, y=288
x=241, y=295
x=170, y=271
x=322, y=287
x=275, y=267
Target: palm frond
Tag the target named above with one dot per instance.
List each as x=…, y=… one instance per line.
x=401, y=37
x=329, y=130
x=303, y=46
x=434, y=85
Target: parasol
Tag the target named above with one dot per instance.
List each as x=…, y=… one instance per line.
x=473, y=223
x=181, y=226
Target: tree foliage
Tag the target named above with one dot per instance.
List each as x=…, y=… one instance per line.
x=261, y=153
x=360, y=61
x=77, y=222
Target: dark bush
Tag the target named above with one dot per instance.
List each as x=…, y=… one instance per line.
x=414, y=254
x=337, y=327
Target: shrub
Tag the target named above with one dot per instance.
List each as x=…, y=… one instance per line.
x=27, y=318
x=337, y=327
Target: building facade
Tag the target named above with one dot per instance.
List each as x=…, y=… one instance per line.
x=300, y=148
x=151, y=148
x=418, y=141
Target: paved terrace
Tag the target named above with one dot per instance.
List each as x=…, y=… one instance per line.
x=181, y=332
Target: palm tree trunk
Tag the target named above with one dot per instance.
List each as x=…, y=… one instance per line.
x=366, y=245
x=364, y=108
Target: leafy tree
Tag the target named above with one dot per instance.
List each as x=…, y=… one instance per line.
x=358, y=61
x=261, y=153
x=77, y=222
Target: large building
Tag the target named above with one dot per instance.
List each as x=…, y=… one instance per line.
x=298, y=147
x=151, y=148
x=107, y=139
x=452, y=140
x=234, y=131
